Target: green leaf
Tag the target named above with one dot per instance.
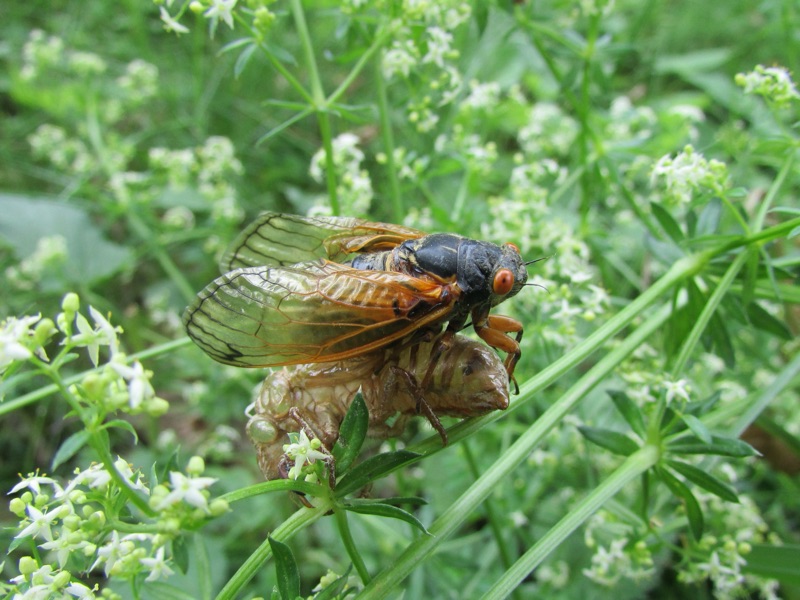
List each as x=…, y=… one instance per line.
x=774, y=562
x=243, y=59
x=667, y=253
x=693, y=512
x=708, y=221
x=385, y=510
x=285, y=570
x=180, y=553
x=667, y=222
x=703, y=406
x=710, y=59
x=415, y=500
x=721, y=339
x=764, y=321
x=90, y=256
x=70, y=447
x=629, y=411
x=124, y=425
x=614, y=441
x=720, y=446
x=352, y=433
x=373, y=468
x=697, y=427
x=708, y=482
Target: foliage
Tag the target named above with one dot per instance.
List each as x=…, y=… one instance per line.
x=648, y=151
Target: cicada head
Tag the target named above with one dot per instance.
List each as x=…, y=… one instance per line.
x=489, y=273
x=470, y=380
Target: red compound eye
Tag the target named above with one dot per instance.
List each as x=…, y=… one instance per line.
x=503, y=282
x=514, y=247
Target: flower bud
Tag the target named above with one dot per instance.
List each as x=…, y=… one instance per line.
x=71, y=303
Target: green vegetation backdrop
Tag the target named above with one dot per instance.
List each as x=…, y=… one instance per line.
x=648, y=149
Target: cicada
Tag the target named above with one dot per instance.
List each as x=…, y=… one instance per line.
x=301, y=290
x=469, y=380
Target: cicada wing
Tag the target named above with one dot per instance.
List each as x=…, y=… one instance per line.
x=310, y=312
x=276, y=239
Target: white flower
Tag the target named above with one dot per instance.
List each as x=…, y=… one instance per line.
x=80, y=591
x=13, y=333
x=105, y=334
x=187, y=489
x=40, y=523
x=482, y=95
x=113, y=551
x=170, y=24
x=677, y=389
x=63, y=547
x=139, y=387
x=303, y=451
x=221, y=9
x=157, y=566
x=400, y=58
x=439, y=42
x=32, y=482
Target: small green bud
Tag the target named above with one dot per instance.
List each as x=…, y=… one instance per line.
x=61, y=579
x=197, y=7
x=196, y=466
x=71, y=303
x=218, y=507
x=156, y=407
x=27, y=565
x=17, y=506
x=44, y=329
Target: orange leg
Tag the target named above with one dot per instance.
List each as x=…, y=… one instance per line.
x=493, y=331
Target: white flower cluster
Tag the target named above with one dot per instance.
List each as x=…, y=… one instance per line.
x=686, y=174
x=773, y=83
x=73, y=528
x=354, y=187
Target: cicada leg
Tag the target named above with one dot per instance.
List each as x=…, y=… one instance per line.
x=423, y=407
x=494, y=330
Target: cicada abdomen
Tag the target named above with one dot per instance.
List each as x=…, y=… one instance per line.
x=469, y=379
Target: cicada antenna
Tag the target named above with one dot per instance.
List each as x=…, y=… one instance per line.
x=535, y=260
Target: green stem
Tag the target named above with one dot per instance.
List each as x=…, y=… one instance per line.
x=44, y=391
x=347, y=539
x=634, y=465
x=319, y=102
x=164, y=259
x=494, y=519
x=583, y=116
x=377, y=44
x=299, y=520
x=461, y=196
x=690, y=343
x=387, y=136
x=99, y=443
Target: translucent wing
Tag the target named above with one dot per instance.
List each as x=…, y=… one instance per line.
x=277, y=239
x=310, y=312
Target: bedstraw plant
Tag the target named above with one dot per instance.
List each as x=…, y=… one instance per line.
x=649, y=153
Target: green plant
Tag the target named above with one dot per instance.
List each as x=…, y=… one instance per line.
x=609, y=137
